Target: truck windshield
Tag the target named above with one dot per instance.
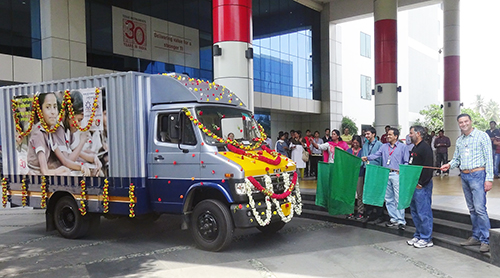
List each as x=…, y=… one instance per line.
x=227, y=122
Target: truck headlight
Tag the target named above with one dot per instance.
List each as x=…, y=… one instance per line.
x=240, y=188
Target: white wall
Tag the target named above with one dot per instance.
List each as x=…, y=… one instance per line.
x=419, y=65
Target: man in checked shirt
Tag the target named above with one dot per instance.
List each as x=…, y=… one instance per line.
x=474, y=157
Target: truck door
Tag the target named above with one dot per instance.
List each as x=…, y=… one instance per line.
x=174, y=160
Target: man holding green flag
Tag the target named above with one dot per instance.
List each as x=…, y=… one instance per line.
x=420, y=206
x=393, y=154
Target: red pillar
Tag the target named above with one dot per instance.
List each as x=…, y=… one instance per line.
x=233, y=66
x=386, y=58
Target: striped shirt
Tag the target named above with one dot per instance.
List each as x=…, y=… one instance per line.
x=473, y=151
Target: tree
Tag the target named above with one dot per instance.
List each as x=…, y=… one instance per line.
x=349, y=123
x=491, y=111
x=479, y=104
x=433, y=118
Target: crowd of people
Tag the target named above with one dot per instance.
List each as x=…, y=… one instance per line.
x=474, y=155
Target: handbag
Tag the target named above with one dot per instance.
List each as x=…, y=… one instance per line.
x=305, y=155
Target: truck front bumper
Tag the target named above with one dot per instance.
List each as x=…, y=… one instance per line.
x=243, y=215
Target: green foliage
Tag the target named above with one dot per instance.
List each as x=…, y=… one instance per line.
x=349, y=123
x=478, y=121
x=433, y=118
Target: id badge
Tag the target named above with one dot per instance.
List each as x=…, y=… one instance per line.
x=388, y=161
x=411, y=160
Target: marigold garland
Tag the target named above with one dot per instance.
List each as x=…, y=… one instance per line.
x=131, y=196
x=36, y=110
x=258, y=141
x=5, y=197
x=83, y=209
x=43, y=189
x=19, y=129
x=71, y=112
x=24, y=193
x=105, y=198
x=42, y=121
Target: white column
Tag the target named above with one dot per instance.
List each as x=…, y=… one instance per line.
x=451, y=12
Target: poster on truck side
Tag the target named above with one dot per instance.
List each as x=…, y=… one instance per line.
x=61, y=133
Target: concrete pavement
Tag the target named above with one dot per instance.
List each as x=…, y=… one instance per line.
x=304, y=248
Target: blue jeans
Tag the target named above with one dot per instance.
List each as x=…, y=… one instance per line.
x=421, y=212
x=496, y=157
x=475, y=196
x=392, y=199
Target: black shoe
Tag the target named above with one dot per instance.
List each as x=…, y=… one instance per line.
x=390, y=224
x=402, y=227
x=349, y=216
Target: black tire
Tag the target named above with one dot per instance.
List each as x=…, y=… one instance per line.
x=68, y=220
x=272, y=227
x=211, y=225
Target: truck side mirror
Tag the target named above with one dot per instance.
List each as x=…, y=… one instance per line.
x=173, y=127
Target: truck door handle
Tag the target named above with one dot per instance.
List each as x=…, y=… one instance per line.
x=159, y=158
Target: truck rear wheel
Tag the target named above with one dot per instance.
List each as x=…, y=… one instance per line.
x=271, y=228
x=68, y=220
x=211, y=225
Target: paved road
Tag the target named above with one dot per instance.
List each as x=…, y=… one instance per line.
x=304, y=248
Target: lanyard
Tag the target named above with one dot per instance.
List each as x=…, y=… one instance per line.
x=389, y=149
x=355, y=153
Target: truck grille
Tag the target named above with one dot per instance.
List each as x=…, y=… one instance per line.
x=278, y=183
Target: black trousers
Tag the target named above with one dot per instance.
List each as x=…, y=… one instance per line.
x=313, y=161
x=441, y=158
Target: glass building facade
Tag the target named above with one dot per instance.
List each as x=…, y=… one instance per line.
x=286, y=34
x=20, y=33
x=196, y=14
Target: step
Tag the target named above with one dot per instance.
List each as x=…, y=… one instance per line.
x=441, y=239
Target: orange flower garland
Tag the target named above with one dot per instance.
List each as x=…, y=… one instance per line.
x=5, y=197
x=42, y=121
x=227, y=141
x=36, y=110
x=43, y=188
x=105, y=198
x=71, y=112
x=83, y=209
x=131, y=196
x=16, y=119
x=24, y=193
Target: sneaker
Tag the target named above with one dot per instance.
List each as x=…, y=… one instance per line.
x=391, y=224
x=422, y=244
x=485, y=247
x=446, y=174
x=359, y=217
x=401, y=227
x=412, y=241
x=349, y=216
x=471, y=241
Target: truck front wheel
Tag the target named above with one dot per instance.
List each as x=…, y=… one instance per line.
x=68, y=220
x=211, y=225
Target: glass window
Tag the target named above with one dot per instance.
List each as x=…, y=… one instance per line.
x=20, y=28
x=366, y=85
x=365, y=45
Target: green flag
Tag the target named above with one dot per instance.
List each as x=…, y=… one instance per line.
x=376, y=179
x=408, y=180
x=323, y=184
x=337, y=182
